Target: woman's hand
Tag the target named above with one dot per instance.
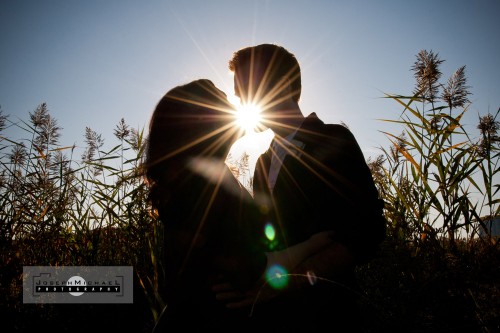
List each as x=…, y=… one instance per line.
x=236, y=299
x=262, y=291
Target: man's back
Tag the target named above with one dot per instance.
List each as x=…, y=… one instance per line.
x=326, y=185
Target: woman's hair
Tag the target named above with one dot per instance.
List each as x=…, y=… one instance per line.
x=190, y=120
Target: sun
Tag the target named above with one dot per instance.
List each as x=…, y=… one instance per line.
x=248, y=115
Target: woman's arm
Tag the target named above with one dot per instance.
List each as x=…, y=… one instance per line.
x=292, y=256
x=291, y=259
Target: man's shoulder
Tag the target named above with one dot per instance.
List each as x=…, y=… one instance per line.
x=313, y=124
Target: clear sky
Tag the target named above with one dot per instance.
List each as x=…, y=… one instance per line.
x=95, y=62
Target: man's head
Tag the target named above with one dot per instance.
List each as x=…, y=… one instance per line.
x=264, y=72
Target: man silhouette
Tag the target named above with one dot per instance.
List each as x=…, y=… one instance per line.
x=313, y=178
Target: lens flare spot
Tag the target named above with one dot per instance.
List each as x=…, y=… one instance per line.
x=269, y=231
x=277, y=277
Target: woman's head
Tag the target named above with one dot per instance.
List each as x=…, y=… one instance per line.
x=191, y=120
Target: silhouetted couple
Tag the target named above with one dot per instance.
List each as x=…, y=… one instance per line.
x=285, y=258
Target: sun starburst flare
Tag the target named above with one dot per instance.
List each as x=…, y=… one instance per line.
x=248, y=117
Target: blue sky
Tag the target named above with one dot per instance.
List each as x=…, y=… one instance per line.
x=95, y=62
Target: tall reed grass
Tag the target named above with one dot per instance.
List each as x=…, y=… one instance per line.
x=437, y=180
x=60, y=209
x=436, y=271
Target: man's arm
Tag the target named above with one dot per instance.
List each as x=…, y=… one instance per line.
x=329, y=263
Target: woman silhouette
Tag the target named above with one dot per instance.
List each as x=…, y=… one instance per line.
x=214, y=231
x=211, y=226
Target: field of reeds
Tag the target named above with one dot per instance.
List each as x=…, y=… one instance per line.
x=437, y=271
